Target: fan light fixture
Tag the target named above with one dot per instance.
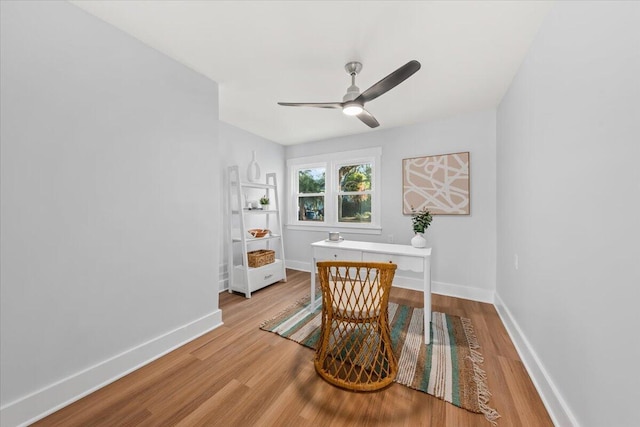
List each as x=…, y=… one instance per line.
x=353, y=101
x=352, y=109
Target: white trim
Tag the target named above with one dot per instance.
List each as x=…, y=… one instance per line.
x=557, y=407
x=223, y=278
x=448, y=289
x=323, y=158
x=298, y=265
x=416, y=284
x=53, y=397
x=326, y=228
x=461, y=291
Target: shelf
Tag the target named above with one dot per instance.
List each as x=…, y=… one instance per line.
x=276, y=263
x=255, y=211
x=242, y=278
x=257, y=239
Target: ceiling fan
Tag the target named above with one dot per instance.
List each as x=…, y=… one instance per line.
x=353, y=102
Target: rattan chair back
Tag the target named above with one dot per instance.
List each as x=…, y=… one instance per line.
x=355, y=351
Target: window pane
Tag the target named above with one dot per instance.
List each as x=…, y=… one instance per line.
x=311, y=208
x=311, y=180
x=354, y=208
x=355, y=177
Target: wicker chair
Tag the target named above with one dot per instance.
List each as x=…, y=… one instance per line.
x=354, y=351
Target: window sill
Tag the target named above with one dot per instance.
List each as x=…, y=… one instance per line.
x=340, y=228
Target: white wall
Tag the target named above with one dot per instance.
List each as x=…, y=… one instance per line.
x=464, y=247
x=236, y=146
x=568, y=201
x=109, y=239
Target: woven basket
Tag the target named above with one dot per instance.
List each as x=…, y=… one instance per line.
x=261, y=257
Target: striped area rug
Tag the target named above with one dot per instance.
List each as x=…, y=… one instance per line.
x=448, y=368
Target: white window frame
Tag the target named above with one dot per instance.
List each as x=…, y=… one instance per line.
x=332, y=163
x=297, y=193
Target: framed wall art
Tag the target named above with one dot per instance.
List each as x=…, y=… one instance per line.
x=438, y=183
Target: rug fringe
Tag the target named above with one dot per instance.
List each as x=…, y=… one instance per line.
x=479, y=375
x=295, y=306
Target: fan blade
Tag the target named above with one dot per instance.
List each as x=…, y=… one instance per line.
x=368, y=119
x=312, y=104
x=389, y=82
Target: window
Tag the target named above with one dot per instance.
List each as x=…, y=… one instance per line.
x=354, y=193
x=311, y=184
x=336, y=191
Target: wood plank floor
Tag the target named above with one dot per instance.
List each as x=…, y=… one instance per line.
x=238, y=375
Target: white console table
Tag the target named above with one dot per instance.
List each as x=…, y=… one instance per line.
x=404, y=256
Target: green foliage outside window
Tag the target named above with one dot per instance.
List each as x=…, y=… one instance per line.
x=311, y=181
x=354, y=207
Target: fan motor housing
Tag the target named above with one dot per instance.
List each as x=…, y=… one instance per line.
x=353, y=92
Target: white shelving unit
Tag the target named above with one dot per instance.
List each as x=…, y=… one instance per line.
x=243, y=278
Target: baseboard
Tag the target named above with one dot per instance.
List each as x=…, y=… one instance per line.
x=448, y=289
x=298, y=265
x=440, y=288
x=41, y=403
x=223, y=278
x=557, y=407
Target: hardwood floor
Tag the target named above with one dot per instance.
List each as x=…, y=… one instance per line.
x=238, y=375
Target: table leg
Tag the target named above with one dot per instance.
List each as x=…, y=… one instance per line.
x=427, y=300
x=312, y=303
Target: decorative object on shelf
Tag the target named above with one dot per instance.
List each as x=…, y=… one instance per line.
x=253, y=171
x=258, y=232
x=261, y=257
x=438, y=183
x=264, y=201
x=421, y=221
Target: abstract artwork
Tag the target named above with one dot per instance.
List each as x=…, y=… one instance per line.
x=437, y=183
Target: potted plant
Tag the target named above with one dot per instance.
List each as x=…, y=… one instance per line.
x=421, y=221
x=264, y=201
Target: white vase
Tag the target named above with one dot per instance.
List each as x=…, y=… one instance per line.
x=253, y=171
x=265, y=207
x=418, y=241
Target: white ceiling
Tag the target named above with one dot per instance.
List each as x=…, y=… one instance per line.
x=262, y=52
